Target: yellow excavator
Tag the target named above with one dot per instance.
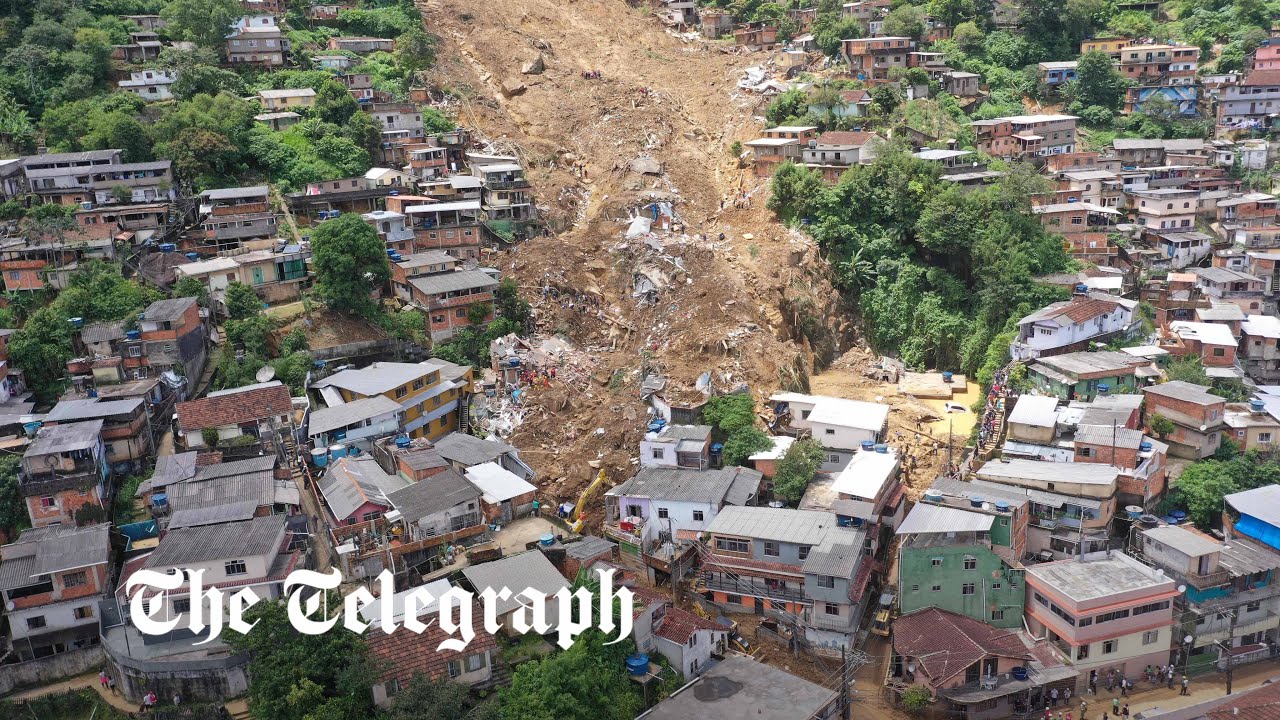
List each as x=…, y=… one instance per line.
x=579, y=510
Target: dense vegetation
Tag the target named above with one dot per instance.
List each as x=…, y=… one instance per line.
x=938, y=272
x=1201, y=487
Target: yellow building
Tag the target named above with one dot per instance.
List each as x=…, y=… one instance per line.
x=1110, y=46
x=429, y=393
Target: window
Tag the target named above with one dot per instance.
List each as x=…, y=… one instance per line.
x=391, y=687
x=832, y=609
x=1150, y=637
x=476, y=662
x=455, y=668
x=15, y=275
x=997, y=614
x=35, y=623
x=1108, y=647
x=74, y=579
x=996, y=585
x=1151, y=607
x=1082, y=652
x=658, y=453
x=830, y=431
x=1264, y=437
x=771, y=549
x=236, y=567
x=1085, y=452
x=84, y=612
x=970, y=563
x=418, y=384
x=915, y=588
x=48, y=502
x=733, y=599
x=460, y=312
x=936, y=562
x=967, y=589
x=936, y=588
x=833, y=458
x=728, y=545
x=401, y=392
x=1253, y=606
x=1219, y=352
x=804, y=552
x=698, y=517
x=663, y=514
x=182, y=605
x=826, y=581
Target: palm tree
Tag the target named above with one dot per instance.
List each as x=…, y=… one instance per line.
x=855, y=273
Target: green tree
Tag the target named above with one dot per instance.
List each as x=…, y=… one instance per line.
x=350, y=264
x=586, y=682
x=730, y=413
x=334, y=103
x=1200, y=490
x=1098, y=82
x=1187, y=369
x=953, y=12
x=241, y=301
x=787, y=106
x=916, y=698
x=829, y=30
x=415, y=50
x=509, y=303
x=968, y=36
x=431, y=699
x=13, y=506
x=797, y=469
x=191, y=287
x=478, y=314
x=905, y=21
x=795, y=188
x=1160, y=425
x=204, y=22
x=303, y=677
x=744, y=443
x=42, y=348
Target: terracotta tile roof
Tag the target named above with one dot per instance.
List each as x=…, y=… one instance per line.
x=108, y=362
x=23, y=264
x=213, y=457
x=1082, y=308
x=234, y=408
x=946, y=644
x=748, y=566
x=855, y=96
x=406, y=653
x=845, y=138
x=1262, y=77
x=680, y=625
x=1260, y=704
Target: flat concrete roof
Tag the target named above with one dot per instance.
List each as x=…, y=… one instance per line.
x=738, y=688
x=1093, y=579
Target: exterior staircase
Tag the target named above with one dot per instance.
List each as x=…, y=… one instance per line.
x=996, y=439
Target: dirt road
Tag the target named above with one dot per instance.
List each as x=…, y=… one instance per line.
x=659, y=123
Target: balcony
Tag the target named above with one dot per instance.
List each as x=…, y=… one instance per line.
x=756, y=588
x=815, y=618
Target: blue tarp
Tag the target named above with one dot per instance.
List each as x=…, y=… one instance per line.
x=1258, y=530
x=139, y=530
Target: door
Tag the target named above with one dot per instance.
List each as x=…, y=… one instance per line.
x=759, y=605
x=506, y=511
x=257, y=276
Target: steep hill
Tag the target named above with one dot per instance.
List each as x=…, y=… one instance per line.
x=748, y=308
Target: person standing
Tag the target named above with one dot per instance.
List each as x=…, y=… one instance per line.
x=1124, y=711
x=1053, y=696
x=535, y=508
x=1186, y=685
x=1084, y=708
x=102, y=679
x=1115, y=706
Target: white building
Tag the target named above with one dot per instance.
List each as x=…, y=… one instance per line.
x=682, y=446
x=673, y=501
x=354, y=423
x=1070, y=325
x=840, y=425
x=150, y=85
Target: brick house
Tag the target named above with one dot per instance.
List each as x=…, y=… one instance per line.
x=504, y=496
x=50, y=581
x=406, y=653
x=63, y=470
x=171, y=336
x=449, y=297
x=257, y=410
x=127, y=435
x=1199, y=418
x=781, y=144
x=1141, y=460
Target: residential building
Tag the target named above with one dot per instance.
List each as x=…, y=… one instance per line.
x=797, y=562
x=867, y=491
x=1249, y=103
x=970, y=664
x=761, y=691
x=716, y=23
x=454, y=227
x=780, y=144
x=1198, y=417
x=662, y=505
x=362, y=45
x=506, y=195
x=279, y=121
x=831, y=153
x=1067, y=499
x=1071, y=325
x=150, y=85
x=686, y=640
x=430, y=394
x=677, y=446
x=127, y=435
x=1054, y=74
x=51, y=579
x=1105, y=612
x=257, y=40
x=870, y=59
x=756, y=36
x=964, y=559
x=1251, y=426
x=231, y=491
x=64, y=473
x=1218, y=580
x=407, y=267
x=841, y=426
x=1251, y=514
x=1140, y=459
x=262, y=411
x=1259, y=352
x=287, y=99
x=1232, y=286
x=449, y=298
x=462, y=451
x=230, y=216
x=852, y=103
x=357, y=423
x=1083, y=375
x=277, y=275
x=1026, y=135
x=1213, y=343
x=172, y=338
x=961, y=84
x=1110, y=46
x=93, y=177
x=1034, y=419
x=355, y=489
x=360, y=85
x=1181, y=248
x=401, y=126
x=1165, y=64
x=504, y=496
x=403, y=655
x=531, y=570
x=333, y=61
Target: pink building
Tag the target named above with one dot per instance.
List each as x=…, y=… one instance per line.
x=1107, y=612
x=1267, y=56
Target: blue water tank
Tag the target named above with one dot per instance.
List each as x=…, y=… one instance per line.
x=975, y=501
x=391, y=251
x=882, y=448
x=1103, y=388
x=1018, y=672
x=868, y=445
x=1002, y=506
x=320, y=457
x=193, y=256
x=403, y=441
x=133, y=334
x=168, y=247
x=77, y=322
x=638, y=664
x=31, y=428
x=1145, y=446
x=946, y=376
x=92, y=392
x=160, y=500
x=1257, y=405
x=337, y=451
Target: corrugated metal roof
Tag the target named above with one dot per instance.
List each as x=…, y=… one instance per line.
x=838, y=555
x=332, y=418
x=352, y=481
x=233, y=540
x=682, y=485
x=1078, y=473
x=453, y=281
x=214, y=515
x=380, y=377
x=1262, y=503
x=236, y=467
x=527, y=570
x=804, y=527
x=1184, y=541
x=1035, y=410
x=1109, y=435
x=433, y=495
x=90, y=408
x=469, y=450
x=867, y=474
x=925, y=519
x=497, y=484
x=1189, y=392
x=53, y=439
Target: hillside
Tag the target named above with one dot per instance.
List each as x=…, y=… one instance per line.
x=735, y=307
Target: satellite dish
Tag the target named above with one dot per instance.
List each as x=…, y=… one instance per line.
x=265, y=374
x=10, y=606
x=1182, y=588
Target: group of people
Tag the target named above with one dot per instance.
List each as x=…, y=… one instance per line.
x=1156, y=675
x=149, y=699
x=999, y=387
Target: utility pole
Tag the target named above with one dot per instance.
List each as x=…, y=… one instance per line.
x=1231, y=641
x=844, y=686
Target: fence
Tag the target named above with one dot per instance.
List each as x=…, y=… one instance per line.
x=45, y=670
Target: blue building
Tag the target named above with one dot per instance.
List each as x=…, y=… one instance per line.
x=1054, y=74
x=1184, y=97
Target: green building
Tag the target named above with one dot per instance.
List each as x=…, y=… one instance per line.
x=957, y=553
x=1079, y=375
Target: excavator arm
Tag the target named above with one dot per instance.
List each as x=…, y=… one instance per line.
x=579, y=510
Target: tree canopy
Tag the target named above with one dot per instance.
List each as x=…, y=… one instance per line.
x=350, y=264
